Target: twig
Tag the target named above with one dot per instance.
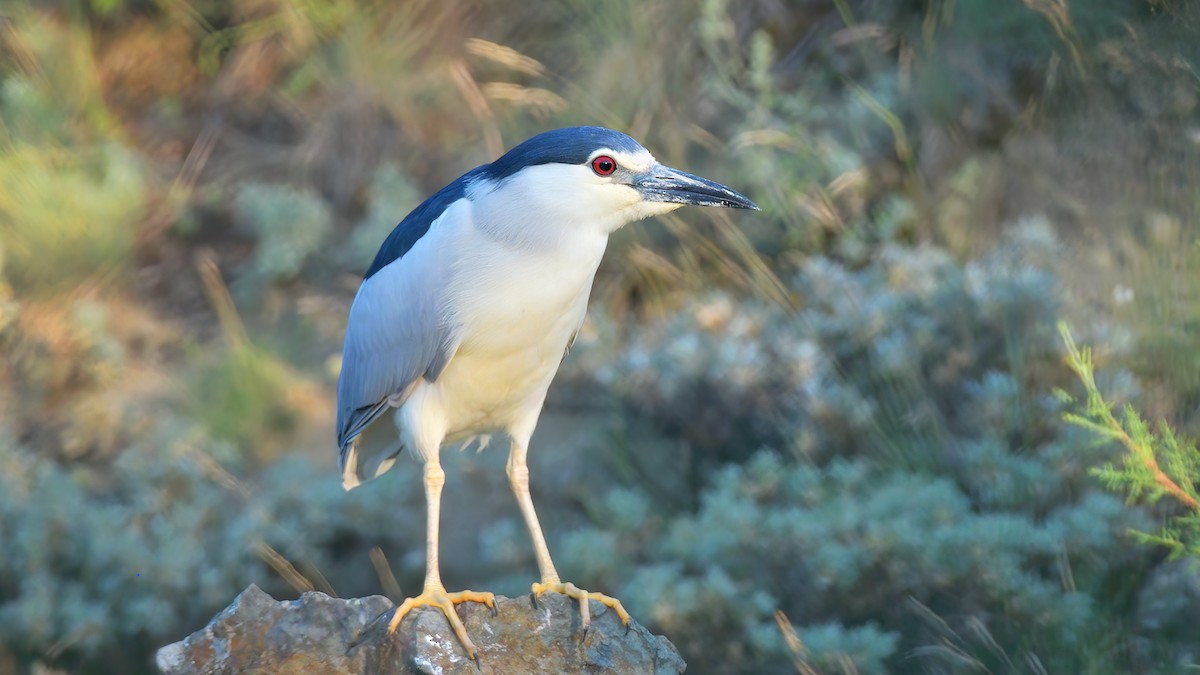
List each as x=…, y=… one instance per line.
x=1080, y=361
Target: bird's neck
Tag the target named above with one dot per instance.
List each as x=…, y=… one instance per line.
x=534, y=222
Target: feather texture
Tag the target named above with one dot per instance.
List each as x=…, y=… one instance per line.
x=397, y=334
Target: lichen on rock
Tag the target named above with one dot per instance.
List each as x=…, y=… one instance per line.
x=317, y=634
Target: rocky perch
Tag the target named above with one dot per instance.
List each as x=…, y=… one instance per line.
x=318, y=634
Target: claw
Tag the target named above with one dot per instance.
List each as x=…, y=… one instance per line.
x=572, y=591
x=445, y=602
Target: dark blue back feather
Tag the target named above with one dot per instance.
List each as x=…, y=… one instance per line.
x=416, y=224
x=572, y=145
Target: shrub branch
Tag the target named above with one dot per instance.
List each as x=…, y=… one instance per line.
x=1142, y=471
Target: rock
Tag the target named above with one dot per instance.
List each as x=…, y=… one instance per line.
x=256, y=633
x=318, y=634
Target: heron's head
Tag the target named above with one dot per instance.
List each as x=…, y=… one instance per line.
x=592, y=176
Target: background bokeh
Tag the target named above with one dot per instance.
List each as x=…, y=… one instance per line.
x=824, y=438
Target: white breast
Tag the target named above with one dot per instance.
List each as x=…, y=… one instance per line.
x=518, y=305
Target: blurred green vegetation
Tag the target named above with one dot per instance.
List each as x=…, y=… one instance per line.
x=825, y=438
x=900, y=483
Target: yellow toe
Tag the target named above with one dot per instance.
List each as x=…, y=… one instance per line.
x=444, y=601
x=572, y=591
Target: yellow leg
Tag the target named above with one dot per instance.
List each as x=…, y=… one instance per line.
x=518, y=478
x=434, y=593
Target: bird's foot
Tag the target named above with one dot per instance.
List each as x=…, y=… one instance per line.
x=572, y=591
x=445, y=601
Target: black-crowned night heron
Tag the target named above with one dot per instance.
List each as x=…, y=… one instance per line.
x=470, y=306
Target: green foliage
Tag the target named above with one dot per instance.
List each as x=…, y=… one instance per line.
x=242, y=398
x=70, y=200
x=391, y=194
x=1155, y=465
x=289, y=224
x=52, y=94
x=1162, y=306
x=245, y=394
x=102, y=566
x=918, y=472
x=865, y=368
x=818, y=136
x=832, y=647
x=67, y=218
x=837, y=418
x=76, y=558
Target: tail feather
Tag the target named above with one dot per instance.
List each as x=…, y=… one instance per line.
x=369, y=455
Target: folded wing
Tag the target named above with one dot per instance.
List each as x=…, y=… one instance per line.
x=398, y=332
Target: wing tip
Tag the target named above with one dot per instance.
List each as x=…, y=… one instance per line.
x=348, y=459
x=348, y=463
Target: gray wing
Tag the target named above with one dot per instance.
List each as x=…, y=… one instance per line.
x=389, y=345
x=396, y=334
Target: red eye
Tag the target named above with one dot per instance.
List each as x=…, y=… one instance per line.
x=604, y=165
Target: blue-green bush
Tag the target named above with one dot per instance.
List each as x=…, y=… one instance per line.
x=391, y=196
x=100, y=567
x=918, y=461
x=289, y=224
x=885, y=465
